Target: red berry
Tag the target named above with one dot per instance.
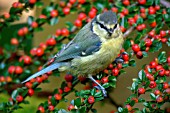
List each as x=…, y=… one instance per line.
x=81, y=1
x=159, y=99
x=51, y=42
x=82, y=16
x=19, y=98
x=42, y=16
x=161, y=72
x=34, y=24
x=143, y=15
x=141, y=90
x=150, y=77
x=110, y=66
x=157, y=7
x=91, y=100
x=72, y=1
x=58, y=32
x=153, y=64
x=54, y=13
x=129, y=107
x=65, y=32
x=51, y=107
x=142, y=2
x=126, y=2
x=66, y=89
x=78, y=23
x=32, y=1
x=39, y=52
x=66, y=10
x=41, y=109
x=148, y=42
x=152, y=84
x=30, y=92
x=104, y=80
x=2, y=79
x=39, y=80
x=33, y=51
x=125, y=11
x=115, y=71
x=58, y=96
x=153, y=24
x=139, y=54
x=125, y=57
x=165, y=85
x=152, y=10
x=131, y=21
x=60, y=91
x=68, y=77
x=142, y=10
x=168, y=90
x=167, y=73
x=92, y=14
x=163, y=33
x=44, y=77
x=123, y=29
x=6, y=15
x=81, y=78
x=159, y=67
x=157, y=92
x=28, y=85
x=18, y=70
x=114, y=9
x=14, y=41
x=21, y=32
x=152, y=33
x=119, y=66
x=139, y=27
x=164, y=40
x=135, y=48
x=8, y=79
x=70, y=107
x=11, y=69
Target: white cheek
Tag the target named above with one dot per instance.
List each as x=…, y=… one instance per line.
x=103, y=31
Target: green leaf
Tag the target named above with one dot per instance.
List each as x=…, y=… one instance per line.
x=149, y=2
x=39, y=3
x=94, y=110
x=112, y=78
x=14, y=94
x=156, y=46
x=127, y=44
x=77, y=102
x=168, y=42
x=134, y=86
x=141, y=100
x=153, y=96
x=106, y=85
x=37, y=89
x=162, y=57
x=120, y=109
x=98, y=94
x=142, y=75
x=93, y=91
x=132, y=62
x=54, y=21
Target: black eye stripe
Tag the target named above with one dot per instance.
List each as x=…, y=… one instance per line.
x=115, y=26
x=102, y=26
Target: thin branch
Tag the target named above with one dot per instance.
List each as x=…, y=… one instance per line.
x=165, y=3
x=128, y=31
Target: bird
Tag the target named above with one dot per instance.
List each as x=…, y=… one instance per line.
x=92, y=49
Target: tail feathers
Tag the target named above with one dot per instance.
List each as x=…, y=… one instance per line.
x=45, y=70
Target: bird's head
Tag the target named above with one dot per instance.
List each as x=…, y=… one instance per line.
x=105, y=25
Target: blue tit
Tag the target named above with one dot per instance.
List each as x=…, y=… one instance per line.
x=93, y=48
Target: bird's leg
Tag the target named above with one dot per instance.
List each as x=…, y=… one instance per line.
x=98, y=86
x=120, y=59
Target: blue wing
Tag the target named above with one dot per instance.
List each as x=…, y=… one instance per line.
x=84, y=43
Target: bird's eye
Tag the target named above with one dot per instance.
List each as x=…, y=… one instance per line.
x=115, y=26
